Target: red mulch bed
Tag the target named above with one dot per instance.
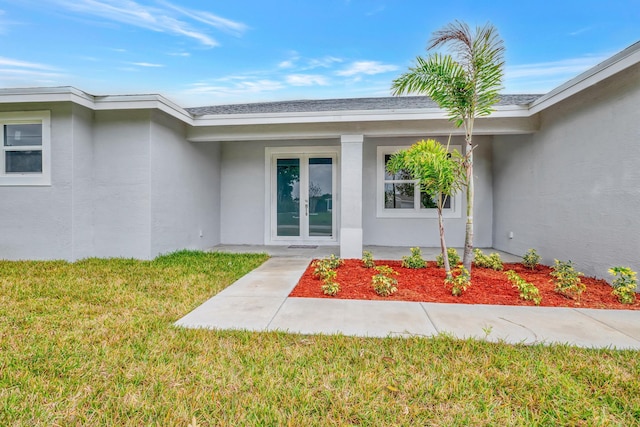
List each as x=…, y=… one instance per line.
x=487, y=286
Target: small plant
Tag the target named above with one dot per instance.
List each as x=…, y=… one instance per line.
x=624, y=284
x=454, y=258
x=414, y=260
x=567, y=280
x=528, y=291
x=330, y=288
x=322, y=266
x=460, y=280
x=367, y=259
x=383, y=283
x=531, y=259
x=333, y=261
x=491, y=261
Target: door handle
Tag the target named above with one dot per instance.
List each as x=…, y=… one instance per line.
x=306, y=208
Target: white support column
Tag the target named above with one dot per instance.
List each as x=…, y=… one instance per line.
x=351, y=196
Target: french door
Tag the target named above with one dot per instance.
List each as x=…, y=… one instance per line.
x=302, y=203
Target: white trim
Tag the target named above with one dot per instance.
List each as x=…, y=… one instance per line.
x=96, y=103
x=455, y=211
x=271, y=154
x=27, y=179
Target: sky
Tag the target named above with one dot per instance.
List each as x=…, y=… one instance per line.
x=199, y=53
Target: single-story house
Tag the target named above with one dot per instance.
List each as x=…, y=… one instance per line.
x=137, y=175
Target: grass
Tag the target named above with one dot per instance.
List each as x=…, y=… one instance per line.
x=92, y=343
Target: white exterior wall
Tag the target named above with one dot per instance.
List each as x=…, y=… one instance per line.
x=36, y=221
x=424, y=231
x=572, y=190
x=185, y=189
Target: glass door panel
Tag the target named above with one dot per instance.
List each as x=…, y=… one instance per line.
x=288, y=197
x=320, y=197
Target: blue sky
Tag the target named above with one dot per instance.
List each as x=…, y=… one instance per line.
x=217, y=52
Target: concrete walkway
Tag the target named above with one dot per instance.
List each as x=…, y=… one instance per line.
x=259, y=302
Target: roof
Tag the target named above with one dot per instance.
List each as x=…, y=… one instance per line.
x=347, y=104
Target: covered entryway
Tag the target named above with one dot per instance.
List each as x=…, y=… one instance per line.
x=302, y=201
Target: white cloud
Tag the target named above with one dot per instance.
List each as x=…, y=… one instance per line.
x=161, y=19
x=543, y=76
x=23, y=73
x=182, y=54
x=289, y=63
x=306, y=80
x=210, y=19
x=324, y=62
x=241, y=87
x=580, y=31
x=571, y=66
x=147, y=64
x=366, y=67
x=9, y=62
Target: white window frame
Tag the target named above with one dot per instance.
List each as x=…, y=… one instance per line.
x=27, y=117
x=455, y=211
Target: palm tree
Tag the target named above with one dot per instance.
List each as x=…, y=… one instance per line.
x=465, y=84
x=440, y=174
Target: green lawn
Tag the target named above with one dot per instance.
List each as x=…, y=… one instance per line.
x=92, y=343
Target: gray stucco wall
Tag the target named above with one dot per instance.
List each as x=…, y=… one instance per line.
x=185, y=189
x=424, y=231
x=82, y=188
x=36, y=220
x=242, y=198
x=121, y=184
x=572, y=190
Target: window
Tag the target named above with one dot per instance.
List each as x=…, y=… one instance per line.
x=400, y=196
x=25, y=148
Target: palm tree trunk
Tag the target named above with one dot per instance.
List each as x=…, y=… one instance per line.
x=443, y=246
x=468, y=236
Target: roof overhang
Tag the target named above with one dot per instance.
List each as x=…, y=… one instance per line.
x=93, y=102
x=331, y=124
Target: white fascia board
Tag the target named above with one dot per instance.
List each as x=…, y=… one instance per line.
x=97, y=103
x=345, y=116
x=617, y=63
x=318, y=117
x=41, y=95
x=142, y=102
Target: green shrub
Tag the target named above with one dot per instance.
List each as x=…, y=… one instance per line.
x=624, y=284
x=330, y=288
x=531, y=259
x=528, y=291
x=491, y=261
x=460, y=280
x=367, y=259
x=415, y=260
x=323, y=265
x=383, y=283
x=454, y=258
x=567, y=280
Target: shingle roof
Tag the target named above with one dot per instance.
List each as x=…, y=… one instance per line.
x=309, y=106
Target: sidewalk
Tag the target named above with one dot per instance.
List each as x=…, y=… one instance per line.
x=259, y=302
